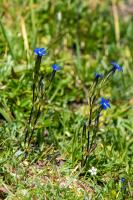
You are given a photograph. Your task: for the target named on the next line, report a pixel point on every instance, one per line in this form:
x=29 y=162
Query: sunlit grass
x=83 y=40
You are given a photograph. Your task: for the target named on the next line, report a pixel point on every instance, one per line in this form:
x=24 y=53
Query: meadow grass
x=82 y=37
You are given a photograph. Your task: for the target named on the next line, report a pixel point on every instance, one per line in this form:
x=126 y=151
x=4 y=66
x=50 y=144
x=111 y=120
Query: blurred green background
x=82 y=37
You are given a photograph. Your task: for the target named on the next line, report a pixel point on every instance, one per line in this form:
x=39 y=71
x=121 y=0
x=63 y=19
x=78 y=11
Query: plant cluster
x=40 y=88
x=91 y=123
x=96 y=105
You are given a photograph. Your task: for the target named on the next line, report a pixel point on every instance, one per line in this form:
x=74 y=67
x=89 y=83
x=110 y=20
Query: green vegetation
x=82 y=37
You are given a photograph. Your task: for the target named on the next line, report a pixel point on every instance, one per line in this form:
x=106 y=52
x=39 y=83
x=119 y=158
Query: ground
x=82 y=37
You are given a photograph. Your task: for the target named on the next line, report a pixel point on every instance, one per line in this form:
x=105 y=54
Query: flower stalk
x=91 y=128
x=39 y=91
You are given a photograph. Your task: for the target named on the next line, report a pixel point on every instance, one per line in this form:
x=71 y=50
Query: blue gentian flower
x=97 y=76
x=116 y=66
x=56 y=67
x=40 y=51
x=122 y=179
x=104 y=104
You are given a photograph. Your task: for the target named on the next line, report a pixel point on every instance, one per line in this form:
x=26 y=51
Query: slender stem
x=92 y=98
x=92 y=101
x=88 y=140
x=83 y=135
x=51 y=78
x=37 y=116
x=35 y=78
x=91 y=104
x=96 y=127
x=107 y=76
x=36 y=73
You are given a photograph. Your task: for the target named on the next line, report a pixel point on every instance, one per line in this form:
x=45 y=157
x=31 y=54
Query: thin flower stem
x=52 y=76
x=91 y=104
x=36 y=73
x=94 y=113
x=82 y=142
x=36 y=119
x=88 y=140
x=107 y=76
x=92 y=101
x=96 y=128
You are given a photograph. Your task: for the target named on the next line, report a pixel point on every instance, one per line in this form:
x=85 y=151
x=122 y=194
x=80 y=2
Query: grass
x=82 y=37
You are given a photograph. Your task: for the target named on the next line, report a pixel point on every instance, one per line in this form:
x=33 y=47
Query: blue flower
x=122 y=179
x=40 y=51
x=104 y=104
x=56 y=67
x=116 y=66
x=97 y=76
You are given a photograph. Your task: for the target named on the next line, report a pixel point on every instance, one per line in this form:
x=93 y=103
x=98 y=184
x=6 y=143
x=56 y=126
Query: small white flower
x=93 y=171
